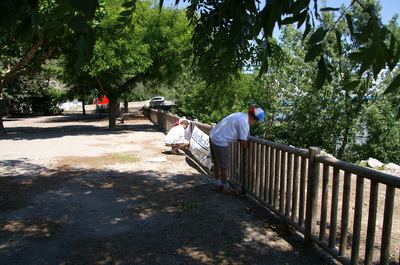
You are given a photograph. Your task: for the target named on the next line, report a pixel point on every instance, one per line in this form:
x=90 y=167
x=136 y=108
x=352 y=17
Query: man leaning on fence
x=235 y=127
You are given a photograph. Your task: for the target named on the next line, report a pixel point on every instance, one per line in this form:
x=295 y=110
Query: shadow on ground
x=81 y=216
x=32 y=133
x=71 y=215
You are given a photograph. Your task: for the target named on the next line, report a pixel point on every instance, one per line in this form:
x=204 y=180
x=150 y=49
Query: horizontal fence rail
x=348 y=210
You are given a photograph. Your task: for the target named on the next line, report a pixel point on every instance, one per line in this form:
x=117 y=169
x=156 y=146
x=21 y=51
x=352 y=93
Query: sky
x=389 y=7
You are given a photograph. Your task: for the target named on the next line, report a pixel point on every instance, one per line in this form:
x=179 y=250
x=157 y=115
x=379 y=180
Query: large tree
x=34 y=30
x=135 y=43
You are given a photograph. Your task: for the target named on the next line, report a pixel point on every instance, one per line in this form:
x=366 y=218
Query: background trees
x=150 y=46
x=34 y=31
x=342 y=116
x=321 y=85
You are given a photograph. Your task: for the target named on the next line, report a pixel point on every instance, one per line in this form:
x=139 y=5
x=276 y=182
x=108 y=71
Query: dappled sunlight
x=61 y=193
x=4 y=246
x=117 y=220
x=146 y=213
x=107 y=185
x=35 y=228
x=261 y=239
x=197 y=254
x=26 y=182
x=207 y=257
x=171 y=209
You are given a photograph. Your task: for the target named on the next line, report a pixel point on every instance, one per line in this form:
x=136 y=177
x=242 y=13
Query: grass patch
x=123 y=157
x=98 y=161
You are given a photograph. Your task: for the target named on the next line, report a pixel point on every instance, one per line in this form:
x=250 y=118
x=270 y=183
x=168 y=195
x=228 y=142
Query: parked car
x=156 y=102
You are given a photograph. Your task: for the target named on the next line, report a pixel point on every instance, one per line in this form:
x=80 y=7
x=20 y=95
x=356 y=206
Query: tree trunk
x=113 y=108
x=2 y=129
x=83 y=107
x=344 y=143
x=126 y=106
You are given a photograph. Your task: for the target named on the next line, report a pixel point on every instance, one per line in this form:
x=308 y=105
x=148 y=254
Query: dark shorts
x=219 y=155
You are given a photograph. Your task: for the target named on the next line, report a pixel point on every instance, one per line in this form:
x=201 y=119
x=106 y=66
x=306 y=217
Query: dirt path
x=71 y=192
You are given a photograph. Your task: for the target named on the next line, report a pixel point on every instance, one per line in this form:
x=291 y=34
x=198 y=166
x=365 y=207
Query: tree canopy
x=232 y=33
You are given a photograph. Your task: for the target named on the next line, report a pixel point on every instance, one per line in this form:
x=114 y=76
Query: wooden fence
x=348 y=210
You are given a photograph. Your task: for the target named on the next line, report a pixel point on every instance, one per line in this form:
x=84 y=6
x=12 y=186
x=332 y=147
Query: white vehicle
x=156 y=101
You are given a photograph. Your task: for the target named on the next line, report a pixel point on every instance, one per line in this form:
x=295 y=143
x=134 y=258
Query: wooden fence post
x=312 y=194
x=243 y=168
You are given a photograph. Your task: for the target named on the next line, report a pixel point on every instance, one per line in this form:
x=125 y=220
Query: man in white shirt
x=235 y=127
x=175 y=138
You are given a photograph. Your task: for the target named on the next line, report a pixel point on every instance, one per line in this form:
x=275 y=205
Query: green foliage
x=33 y=95
x=297 y=111
x=383 y=140
x=150 y=45
x=196 y=99
x=230 y=35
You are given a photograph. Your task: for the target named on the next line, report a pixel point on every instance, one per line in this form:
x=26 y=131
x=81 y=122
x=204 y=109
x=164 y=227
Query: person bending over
x=232 y=128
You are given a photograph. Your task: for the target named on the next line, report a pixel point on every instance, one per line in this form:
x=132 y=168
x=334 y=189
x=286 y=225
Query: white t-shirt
x=230 y=129
x=176 y=135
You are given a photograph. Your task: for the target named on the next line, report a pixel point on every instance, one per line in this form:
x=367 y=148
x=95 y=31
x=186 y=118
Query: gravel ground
x=71 y=192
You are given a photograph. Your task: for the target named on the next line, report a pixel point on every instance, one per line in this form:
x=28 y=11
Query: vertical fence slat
x=387 y=225
x=282 y=182
x=303 y=172
x=250 y=169
x=355 y=247
x=235 y=162
x=372 y=213
x=324 y=203
x=244 y=154
x=262 y=173
x=271 y=177
x=231 y=162
x=289 y=184
x=276 y=177
x=254 y=162
x=344 y=225
x=334 y=208
x=312 y=194
x=238 y=162
x=266 y=173
x=258 y=171
x=253 y=169
x=295 y=187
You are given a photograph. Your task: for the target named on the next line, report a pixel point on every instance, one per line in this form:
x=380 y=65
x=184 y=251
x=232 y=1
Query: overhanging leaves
x=325 y=9
x=317 y=36
x=313 y=52
x=394 y=85
x=322 y=73
x=350 y=23
x=339 y=42
x=352 y=85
